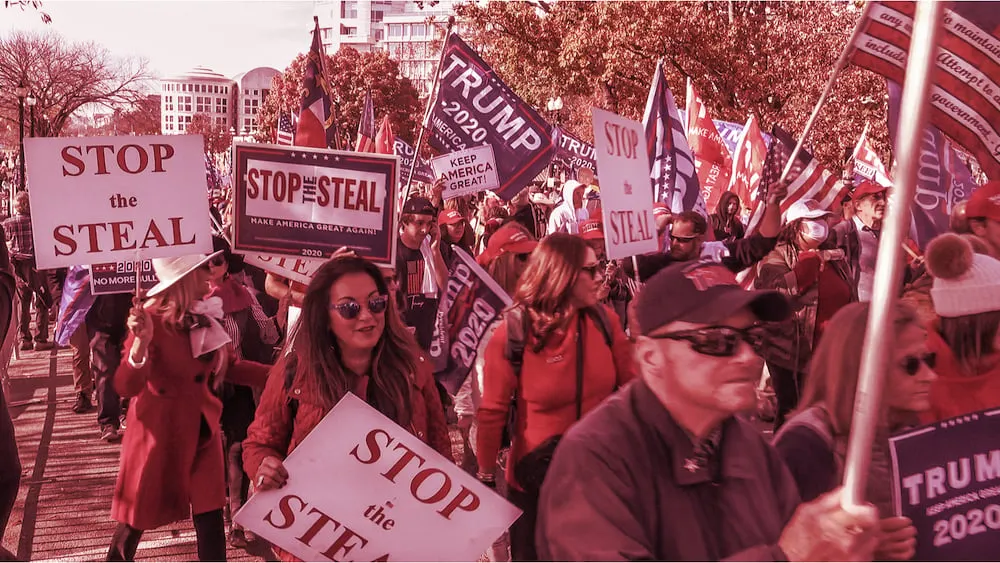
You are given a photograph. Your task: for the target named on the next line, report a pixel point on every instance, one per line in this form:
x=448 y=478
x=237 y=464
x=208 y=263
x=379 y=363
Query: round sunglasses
x=351 y=309
x=718 y=341
x=911 y=364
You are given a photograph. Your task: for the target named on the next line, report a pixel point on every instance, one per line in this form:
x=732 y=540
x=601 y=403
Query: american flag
x=808 y=179
x=286 y=130
x=965 y=78
x=366 y=127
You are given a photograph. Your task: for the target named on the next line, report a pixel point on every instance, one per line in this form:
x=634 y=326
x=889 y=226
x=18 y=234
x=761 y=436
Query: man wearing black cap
x=663 y=470
x=420 y=268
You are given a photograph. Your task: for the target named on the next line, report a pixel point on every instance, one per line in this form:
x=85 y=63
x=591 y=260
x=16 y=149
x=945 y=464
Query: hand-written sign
x=99 y=199
x=298 y=201
x=947 y=480
x=361 y=488
x=625 y=194
x=106 y=279
x=467 y=172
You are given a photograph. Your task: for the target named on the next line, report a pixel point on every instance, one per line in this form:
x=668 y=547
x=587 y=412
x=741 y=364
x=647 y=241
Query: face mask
x=815 y=230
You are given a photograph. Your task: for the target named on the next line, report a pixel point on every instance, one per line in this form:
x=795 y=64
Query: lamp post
x=556 y=105
x=21 y=92
x=31 y=101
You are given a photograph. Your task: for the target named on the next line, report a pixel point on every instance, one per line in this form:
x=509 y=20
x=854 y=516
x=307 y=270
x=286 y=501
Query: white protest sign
x=469 y=171
x=360 y=488
x=100 y=199
x=626 y=196
x=289 y=267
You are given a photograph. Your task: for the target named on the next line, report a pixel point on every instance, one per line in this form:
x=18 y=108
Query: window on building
x=246 y=122
x=395 y=30
x=220 y=105
x=183 y=103
x=418 y=30
x=264 y=93
x=349 y=9
x=379 y=35
x=203 y=104
x=377 y=15
x=180 y=126
x=220 y=121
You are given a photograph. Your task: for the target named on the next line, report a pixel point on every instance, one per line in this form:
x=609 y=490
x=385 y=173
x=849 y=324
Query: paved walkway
x=63 y=508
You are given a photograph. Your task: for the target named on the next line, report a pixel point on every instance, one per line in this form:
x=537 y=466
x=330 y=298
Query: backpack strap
x=600 y=316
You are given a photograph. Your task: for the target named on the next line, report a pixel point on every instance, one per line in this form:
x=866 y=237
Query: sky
x=228 y=37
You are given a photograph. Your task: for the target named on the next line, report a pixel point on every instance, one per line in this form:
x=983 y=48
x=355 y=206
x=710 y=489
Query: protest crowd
x=608 y=376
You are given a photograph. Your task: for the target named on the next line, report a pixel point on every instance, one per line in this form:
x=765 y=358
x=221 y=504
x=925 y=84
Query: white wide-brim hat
x=171 y=270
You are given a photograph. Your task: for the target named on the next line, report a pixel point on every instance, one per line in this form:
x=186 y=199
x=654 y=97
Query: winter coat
x=274 y=433
x=790 y=343
x=171 y=461
x=565 y=218
x=725 y=226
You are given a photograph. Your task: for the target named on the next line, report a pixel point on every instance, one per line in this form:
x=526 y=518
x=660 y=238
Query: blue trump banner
x=574 y=152
x=947 y=481
x=474 y=107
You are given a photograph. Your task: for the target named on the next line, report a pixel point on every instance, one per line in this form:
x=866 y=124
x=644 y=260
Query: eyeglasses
x=218 y=261
x=675 y=238
x=351 y=309
x=592 y=269
x=911 y=364
x=718 y=341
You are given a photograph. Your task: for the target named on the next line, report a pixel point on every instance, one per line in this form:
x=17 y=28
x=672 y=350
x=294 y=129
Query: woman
x=172 y=464
x=966 y=338
x=253 y=335
x=814 y=442
x=805 y=266
x=350 y=339
x=573 y=357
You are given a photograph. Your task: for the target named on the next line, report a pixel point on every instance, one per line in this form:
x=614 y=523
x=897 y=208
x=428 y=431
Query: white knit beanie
x=965 y=283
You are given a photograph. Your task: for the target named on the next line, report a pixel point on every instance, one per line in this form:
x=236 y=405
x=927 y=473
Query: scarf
x=204 y=328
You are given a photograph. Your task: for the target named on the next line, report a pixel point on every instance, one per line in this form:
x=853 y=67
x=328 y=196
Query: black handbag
x=530 y=470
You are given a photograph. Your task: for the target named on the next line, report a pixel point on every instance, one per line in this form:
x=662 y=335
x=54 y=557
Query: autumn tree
x=351 y=75
x=769 y=59
x=63 y=76
x=217 y=137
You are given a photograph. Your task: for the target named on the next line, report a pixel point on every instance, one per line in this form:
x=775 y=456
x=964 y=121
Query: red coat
x=955 y=392
x=171 y=461
x=274 y=433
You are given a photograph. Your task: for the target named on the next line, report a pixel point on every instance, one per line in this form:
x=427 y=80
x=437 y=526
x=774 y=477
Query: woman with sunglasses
x=966 y=337
x=806 y=266
x=813 y=442
x=566 y=369
x=350 y=340
x=172 y=464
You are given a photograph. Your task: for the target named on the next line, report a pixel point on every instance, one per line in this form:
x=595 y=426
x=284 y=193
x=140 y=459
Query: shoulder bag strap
x=579 y=365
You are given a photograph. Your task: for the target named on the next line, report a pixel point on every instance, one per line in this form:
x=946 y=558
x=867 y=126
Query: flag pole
x=431 y=100
x=879 y=338
x=841 y=64
x=329 y=86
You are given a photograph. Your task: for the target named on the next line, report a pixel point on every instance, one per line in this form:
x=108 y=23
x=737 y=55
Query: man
x=858 y=236
x=31 y=284
x=665 y=471
x=983 y=215
x=420 y=268
x=105 y=325
x=567 y=216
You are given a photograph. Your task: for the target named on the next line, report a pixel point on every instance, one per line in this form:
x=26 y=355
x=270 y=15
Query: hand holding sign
x=271 y=475
x=899 y=539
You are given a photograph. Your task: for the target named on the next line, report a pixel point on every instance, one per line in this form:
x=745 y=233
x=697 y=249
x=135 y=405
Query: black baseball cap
x=702 y=292
x=419 y=206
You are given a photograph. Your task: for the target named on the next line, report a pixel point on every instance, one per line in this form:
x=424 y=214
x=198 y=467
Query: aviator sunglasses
x=351 y=309
x=718 y=341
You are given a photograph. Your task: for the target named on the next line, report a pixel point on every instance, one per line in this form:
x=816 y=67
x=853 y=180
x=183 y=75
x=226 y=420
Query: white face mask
x=815 y=230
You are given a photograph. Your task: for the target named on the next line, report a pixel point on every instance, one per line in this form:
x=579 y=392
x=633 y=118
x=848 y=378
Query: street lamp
x=555 y=105
x=31 y=101
x=21 y=92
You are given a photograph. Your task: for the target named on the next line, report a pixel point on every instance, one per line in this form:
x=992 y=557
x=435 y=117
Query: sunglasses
x=217 y=261
x=911 y=364
x=675 y=238
x=351 y=309
x=592 y=269
x=718 y=341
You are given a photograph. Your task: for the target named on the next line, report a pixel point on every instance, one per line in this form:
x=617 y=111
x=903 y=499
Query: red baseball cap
x=660 y=208
x=985 y=202
x=509 y=238
x=592 y=229
x=867 y=187
x=449 y=217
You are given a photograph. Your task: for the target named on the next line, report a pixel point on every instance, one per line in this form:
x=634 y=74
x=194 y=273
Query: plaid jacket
x=18 y=230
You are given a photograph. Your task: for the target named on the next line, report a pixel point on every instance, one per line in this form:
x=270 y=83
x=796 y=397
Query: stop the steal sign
x=467 y=172
x=360 y=488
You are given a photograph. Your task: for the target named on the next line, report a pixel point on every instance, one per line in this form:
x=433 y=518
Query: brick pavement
x=63 y=508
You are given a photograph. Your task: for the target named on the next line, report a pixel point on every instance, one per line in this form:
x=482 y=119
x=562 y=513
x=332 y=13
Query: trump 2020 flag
x=474 y=108
x=675 y=178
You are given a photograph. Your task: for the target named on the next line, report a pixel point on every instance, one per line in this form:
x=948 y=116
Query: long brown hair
x=836 y=364
x=971 y=338
x=546 y=286
x=318 y=355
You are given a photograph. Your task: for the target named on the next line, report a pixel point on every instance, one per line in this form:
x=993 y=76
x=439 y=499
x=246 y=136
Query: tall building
x=408 y=30
x=228 y=102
